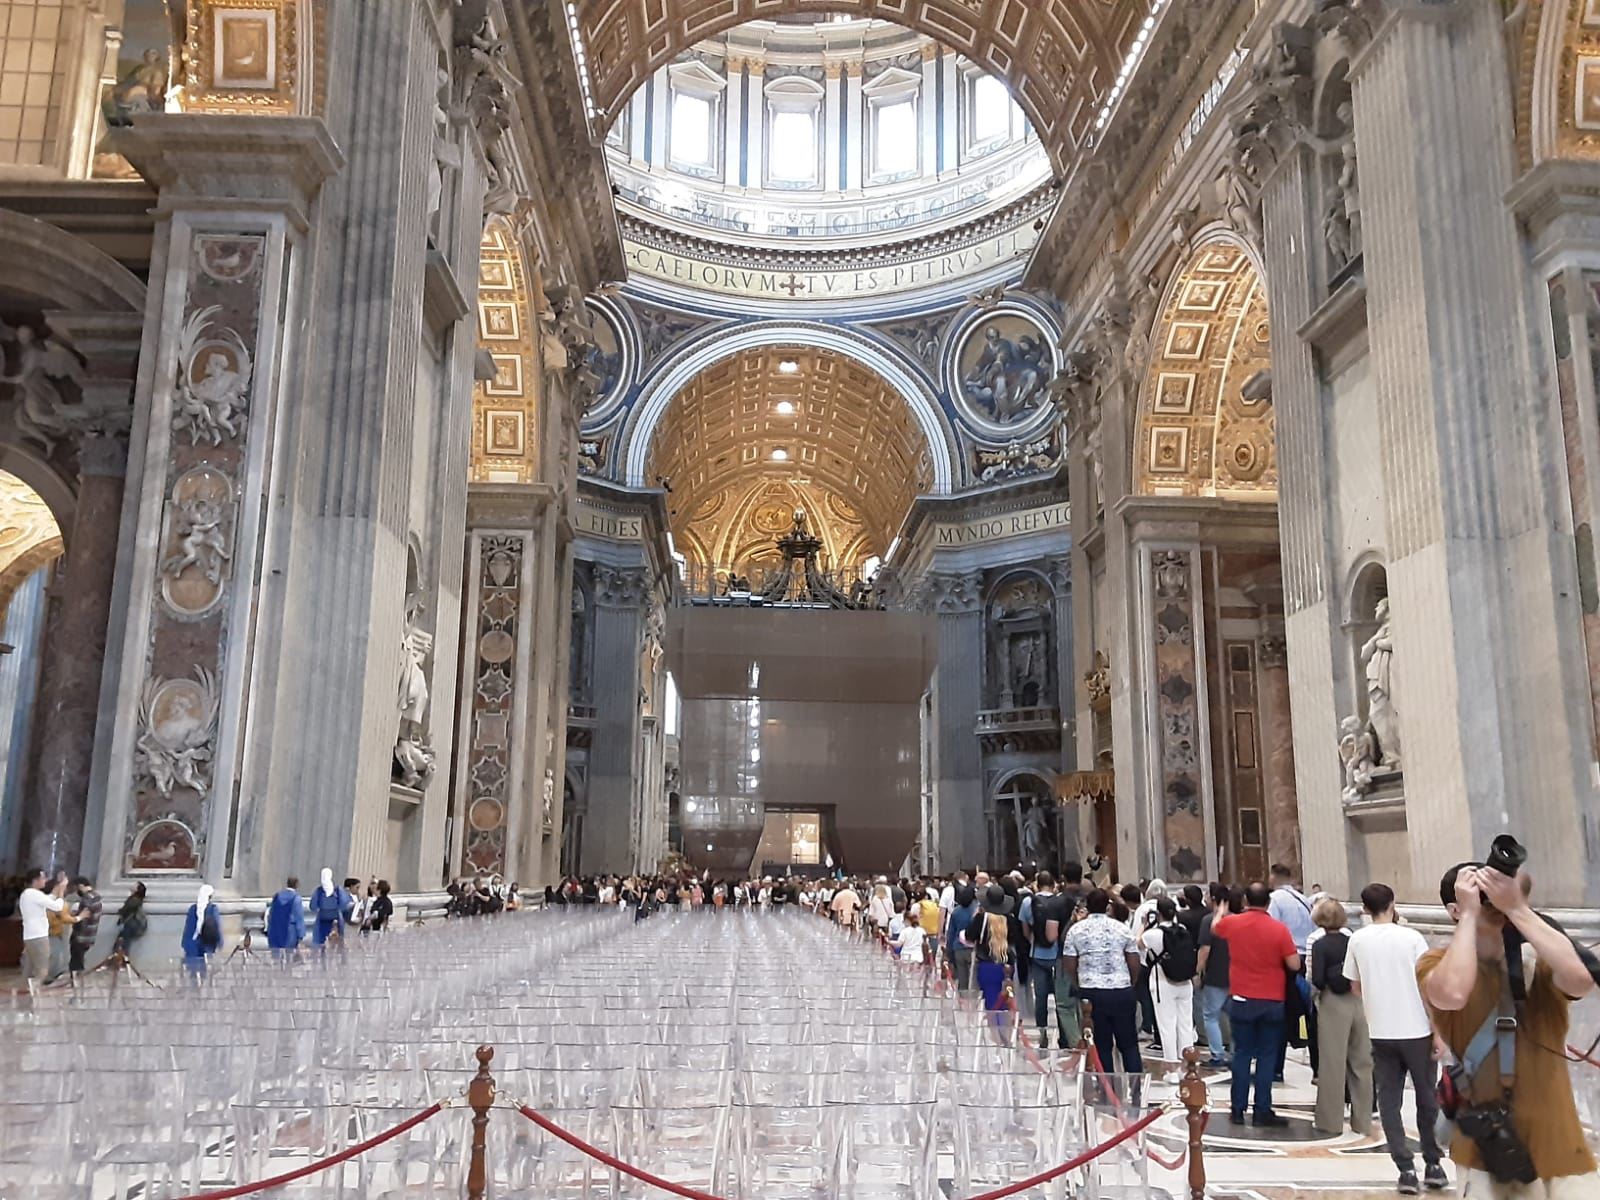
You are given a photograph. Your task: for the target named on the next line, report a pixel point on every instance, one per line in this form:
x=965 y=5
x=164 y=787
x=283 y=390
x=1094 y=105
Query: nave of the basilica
x=454 y=441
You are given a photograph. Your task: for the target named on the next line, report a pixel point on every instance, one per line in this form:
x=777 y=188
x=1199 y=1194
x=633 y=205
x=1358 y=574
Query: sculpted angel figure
x=42 y=365
x=200 y=539
x=1356 y=752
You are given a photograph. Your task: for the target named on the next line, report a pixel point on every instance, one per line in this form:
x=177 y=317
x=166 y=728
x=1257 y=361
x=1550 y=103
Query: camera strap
x=1498 y=1034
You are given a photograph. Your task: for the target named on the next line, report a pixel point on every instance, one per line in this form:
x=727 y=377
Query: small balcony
x=1019 y=729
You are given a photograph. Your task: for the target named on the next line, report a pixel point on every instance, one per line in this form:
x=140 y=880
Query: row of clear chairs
x=777 y=1055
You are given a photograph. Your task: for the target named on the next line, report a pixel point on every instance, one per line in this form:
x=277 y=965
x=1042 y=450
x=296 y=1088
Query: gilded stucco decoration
x=753 y=438
x=29 y=536
x=1205 y=425
x=245 y=56
x=1060 y=56
x=504 y=438
x=1572 y=74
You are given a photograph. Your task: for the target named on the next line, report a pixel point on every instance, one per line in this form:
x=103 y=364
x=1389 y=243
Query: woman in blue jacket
x=286 y=920
x=202 y=933
x=329 y=904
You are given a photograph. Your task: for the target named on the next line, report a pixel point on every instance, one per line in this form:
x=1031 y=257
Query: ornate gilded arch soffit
x=1061 y=57
x=1205 y=421
x=764 y=432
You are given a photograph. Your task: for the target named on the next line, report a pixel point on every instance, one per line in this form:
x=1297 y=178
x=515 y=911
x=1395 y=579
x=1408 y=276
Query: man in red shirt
x=1260 y=951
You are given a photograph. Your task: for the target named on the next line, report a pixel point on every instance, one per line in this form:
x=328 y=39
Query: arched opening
x=30 y=547
x=1204 y=425
x=769 y=433
x=1023 y=822
x=1061 y=58
x=505 y=403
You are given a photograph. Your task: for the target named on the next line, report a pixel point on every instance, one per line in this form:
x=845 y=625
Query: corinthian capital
x=954 y=591
x=621 y=587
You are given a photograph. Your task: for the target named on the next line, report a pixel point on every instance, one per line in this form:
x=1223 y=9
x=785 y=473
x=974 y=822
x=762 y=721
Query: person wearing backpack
x=1173 y=955
x=329 y=906
x=1345 y=1049
x=286 y=920
x=202 y=934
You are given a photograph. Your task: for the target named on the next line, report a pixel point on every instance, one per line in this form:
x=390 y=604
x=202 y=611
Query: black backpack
x=1179 y=959
x=1335 y=980
x=1048 y=908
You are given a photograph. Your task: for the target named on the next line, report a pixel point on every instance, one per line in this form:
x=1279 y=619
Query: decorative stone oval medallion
x=611 y=359
x=999 y=371
x=197 y=541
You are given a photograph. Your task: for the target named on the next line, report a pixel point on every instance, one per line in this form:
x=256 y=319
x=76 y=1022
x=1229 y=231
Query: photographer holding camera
x=1498 y=996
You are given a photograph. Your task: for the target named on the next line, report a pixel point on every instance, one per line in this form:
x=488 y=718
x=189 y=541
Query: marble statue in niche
x=1021 y=638
x=446 y=157
x=1377 y=657
x=43 y=414
x=413 y=756
x=213 y=381
x=1036 y=837
x=177 y=733
x=1008 y=377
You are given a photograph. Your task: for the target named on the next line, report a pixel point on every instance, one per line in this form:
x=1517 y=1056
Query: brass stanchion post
x=480 y=1094
x=1192 y=1091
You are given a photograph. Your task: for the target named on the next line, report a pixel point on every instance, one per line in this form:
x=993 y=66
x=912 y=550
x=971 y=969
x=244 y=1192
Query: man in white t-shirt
x=1381 y=965
x=33 y=906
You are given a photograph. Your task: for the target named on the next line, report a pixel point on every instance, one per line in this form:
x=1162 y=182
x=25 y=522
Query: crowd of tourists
x=1246 y=972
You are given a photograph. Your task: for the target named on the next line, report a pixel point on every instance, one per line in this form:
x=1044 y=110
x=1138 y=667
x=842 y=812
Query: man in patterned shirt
x=1102 y=957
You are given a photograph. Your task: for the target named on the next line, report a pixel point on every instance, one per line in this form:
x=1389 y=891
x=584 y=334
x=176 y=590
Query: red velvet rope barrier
x=689 y=1193
x=1167 y=1164
x=1580 y=1056
x=245 y=1189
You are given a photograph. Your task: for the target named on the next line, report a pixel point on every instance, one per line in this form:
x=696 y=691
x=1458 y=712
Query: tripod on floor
x=119 y=964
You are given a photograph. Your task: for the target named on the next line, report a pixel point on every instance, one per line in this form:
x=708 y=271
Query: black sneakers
x=1434 y=1178
x=1408 y=1185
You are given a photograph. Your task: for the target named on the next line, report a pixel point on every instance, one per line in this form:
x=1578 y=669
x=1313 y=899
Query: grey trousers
x=1344 y=1063
x=1393 y=1059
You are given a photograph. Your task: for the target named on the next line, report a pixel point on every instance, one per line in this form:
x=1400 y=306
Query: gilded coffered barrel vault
x=1205 y=408
x=505 y=412
x=768 y=431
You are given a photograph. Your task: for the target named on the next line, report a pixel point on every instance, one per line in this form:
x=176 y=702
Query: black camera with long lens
x=1505 y=1154
x=1506 y=854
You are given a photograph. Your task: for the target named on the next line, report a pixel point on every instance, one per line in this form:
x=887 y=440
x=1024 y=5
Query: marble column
x=1180 y=782
x=1292 y=241
x=755 y=125
x=1277 y=750
x=1472 y=536
x=69 y=692
x=493 y=750
x=621 y=600
x=957 y=601
x=733 y=126
x=235 y=199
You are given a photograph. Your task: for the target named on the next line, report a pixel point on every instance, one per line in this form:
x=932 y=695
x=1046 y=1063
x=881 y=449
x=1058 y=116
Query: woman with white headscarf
x=202 y=933
x=329 y=904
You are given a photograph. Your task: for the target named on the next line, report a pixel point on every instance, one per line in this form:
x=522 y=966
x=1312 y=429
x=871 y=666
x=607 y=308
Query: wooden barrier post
x=480 y=1094
x=1192 y=1091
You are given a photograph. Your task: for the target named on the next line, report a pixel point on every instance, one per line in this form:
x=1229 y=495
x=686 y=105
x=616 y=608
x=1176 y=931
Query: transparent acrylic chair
x=887 y=1152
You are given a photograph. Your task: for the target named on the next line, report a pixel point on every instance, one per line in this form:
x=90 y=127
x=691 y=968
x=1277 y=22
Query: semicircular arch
x=1058 y=57
x=61 y=271
x=1204 y=422
x=720 y=345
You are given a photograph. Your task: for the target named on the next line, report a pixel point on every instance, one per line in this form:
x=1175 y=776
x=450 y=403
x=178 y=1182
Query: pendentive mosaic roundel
x=1001 y=369
x=611 y=357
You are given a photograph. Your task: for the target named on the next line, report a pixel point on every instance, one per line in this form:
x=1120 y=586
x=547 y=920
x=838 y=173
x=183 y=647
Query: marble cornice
x=578 y=183
x=507 y=505
x=201 y=160
x=1200 y=518
x=1558 y=205
x=641 y=228
x=1340 y=320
